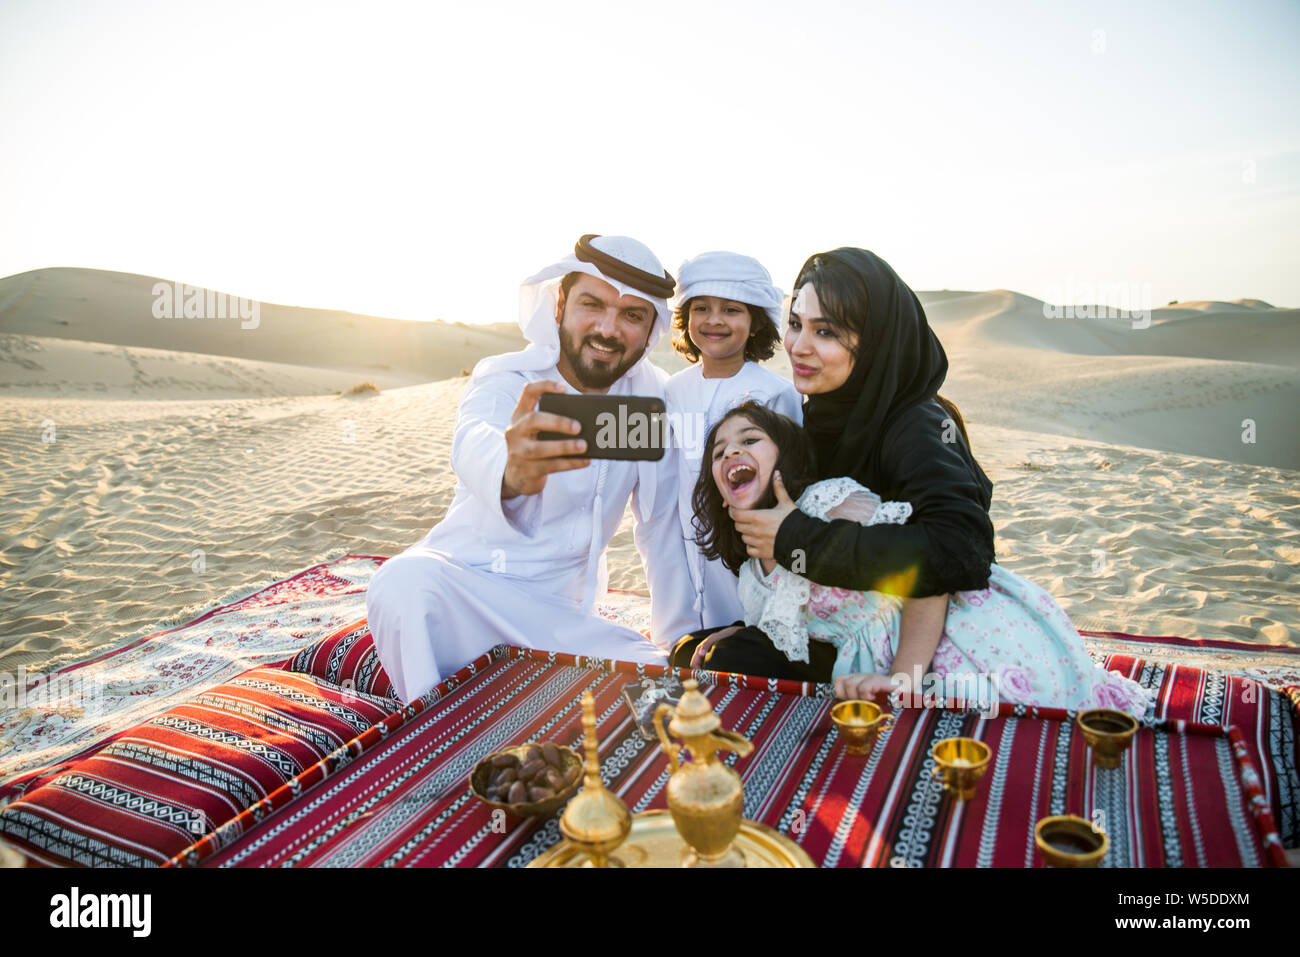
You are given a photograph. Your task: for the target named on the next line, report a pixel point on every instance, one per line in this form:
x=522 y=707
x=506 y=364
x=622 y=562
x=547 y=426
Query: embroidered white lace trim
x=778 y=604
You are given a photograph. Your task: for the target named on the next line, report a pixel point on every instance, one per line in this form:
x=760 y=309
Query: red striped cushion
x=347 y=658
x=158 y=787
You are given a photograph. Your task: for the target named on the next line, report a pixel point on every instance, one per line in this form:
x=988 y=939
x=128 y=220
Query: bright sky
x=420 y=160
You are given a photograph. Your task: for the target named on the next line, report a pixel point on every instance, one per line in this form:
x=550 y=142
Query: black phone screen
x=614 y=426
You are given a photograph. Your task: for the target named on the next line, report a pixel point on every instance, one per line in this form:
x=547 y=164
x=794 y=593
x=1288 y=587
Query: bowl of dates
x=530 y=780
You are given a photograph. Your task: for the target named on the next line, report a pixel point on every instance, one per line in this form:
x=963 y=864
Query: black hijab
x=899 y=364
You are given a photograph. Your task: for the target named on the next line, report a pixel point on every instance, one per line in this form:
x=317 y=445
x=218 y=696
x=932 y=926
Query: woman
x=861 y=350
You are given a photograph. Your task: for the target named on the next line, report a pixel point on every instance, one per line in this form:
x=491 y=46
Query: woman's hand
x=702 y=649
x=758 y=526
x=864 y=687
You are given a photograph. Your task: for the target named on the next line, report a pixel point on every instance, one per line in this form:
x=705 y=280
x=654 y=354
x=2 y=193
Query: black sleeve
x=946 y=546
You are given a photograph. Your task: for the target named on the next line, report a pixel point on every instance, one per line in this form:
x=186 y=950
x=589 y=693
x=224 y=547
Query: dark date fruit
x=537 y=773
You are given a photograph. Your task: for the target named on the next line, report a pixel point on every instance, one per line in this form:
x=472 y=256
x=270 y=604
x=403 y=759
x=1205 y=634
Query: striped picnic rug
x=1187 y=794
x=56 y=716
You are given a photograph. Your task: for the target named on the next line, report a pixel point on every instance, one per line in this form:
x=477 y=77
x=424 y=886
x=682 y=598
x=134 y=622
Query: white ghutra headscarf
x=730 y=276
x=539 y=295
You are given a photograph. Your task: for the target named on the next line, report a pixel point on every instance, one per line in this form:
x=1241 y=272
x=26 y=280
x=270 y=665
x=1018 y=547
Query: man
x=519 y=556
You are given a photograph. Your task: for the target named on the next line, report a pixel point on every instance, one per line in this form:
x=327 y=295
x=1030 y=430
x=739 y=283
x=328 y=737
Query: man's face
x=602 y=335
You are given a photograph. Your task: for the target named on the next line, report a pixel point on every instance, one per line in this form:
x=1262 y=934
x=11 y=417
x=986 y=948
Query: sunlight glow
x=420 y=160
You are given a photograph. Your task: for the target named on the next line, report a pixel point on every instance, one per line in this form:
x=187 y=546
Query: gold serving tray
x=654 y=842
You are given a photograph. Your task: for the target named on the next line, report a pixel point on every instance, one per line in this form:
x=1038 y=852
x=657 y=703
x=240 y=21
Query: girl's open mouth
x=740 y=476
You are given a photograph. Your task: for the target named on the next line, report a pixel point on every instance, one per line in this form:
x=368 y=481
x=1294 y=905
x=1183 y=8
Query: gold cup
x=1065 y=840
x=960 y=762
x=859 y=724
x=1108 y=733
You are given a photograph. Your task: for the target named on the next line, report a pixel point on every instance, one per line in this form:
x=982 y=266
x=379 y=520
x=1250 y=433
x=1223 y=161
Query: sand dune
x=40 y=367
x=1246 y=331
x=93 y=305
x=151 y=467
x=1194 y=382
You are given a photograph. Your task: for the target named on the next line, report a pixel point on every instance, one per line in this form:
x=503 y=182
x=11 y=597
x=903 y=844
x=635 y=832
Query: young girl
x=1009 y=642
x=727 y=321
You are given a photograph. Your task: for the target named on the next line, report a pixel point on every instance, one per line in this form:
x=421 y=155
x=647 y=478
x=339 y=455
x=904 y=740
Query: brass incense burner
x=596 y=820
x=704 y=796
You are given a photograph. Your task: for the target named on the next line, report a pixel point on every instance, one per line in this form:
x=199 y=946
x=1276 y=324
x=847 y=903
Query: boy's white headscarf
x=539 y=296
x=731 y=276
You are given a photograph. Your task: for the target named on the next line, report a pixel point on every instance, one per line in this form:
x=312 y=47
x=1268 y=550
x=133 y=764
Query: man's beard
x=591 y=375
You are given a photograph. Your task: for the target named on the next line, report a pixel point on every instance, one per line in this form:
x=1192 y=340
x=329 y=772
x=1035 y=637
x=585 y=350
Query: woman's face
x=743 y=459
x=819 y=359
x=718 y=327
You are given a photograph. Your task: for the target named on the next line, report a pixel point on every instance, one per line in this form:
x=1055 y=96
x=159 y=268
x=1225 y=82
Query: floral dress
x=1010 y=641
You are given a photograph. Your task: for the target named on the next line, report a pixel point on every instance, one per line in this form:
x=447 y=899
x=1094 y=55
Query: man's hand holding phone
x=530 y=459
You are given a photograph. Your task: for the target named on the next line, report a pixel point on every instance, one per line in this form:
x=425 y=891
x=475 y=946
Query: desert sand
x=155 y=466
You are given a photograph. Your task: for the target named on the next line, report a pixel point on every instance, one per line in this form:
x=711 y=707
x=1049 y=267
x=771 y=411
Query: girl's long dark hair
x=716 y=534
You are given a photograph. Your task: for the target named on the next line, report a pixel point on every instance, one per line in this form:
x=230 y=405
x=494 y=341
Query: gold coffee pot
x=705 y=796
x=595 y=820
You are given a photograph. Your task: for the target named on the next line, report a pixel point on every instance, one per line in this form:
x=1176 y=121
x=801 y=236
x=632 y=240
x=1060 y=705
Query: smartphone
x=615 y=426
